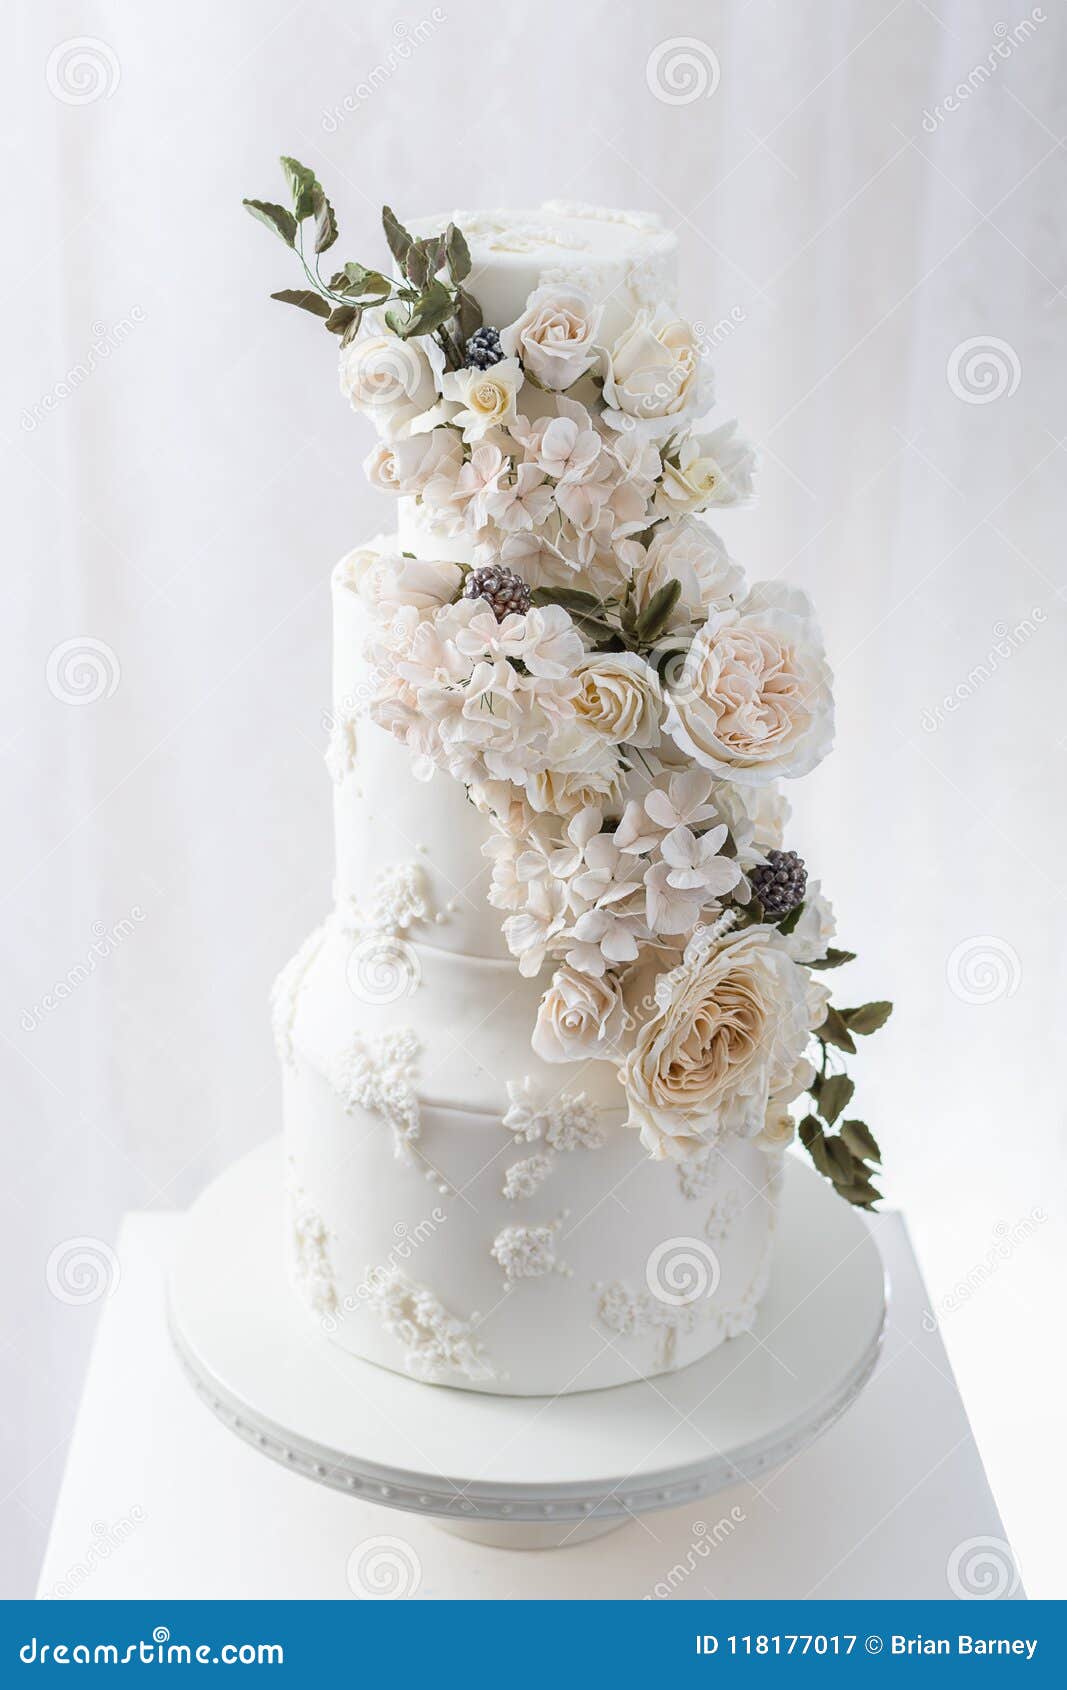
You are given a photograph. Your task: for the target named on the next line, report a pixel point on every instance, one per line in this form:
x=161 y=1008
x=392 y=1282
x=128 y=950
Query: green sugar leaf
x=868 y=1017
x=835 y=1093
x=305 y=299
x=861 y=1141
x=325 y=221
x=458 y=254
x=835 y=1031
x=274 y=217
x=302 y=185
x=833 y=959
x=397 y=238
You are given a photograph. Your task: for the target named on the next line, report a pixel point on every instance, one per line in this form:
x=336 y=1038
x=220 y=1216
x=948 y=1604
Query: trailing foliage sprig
x=428 y=298
x=848 y=1156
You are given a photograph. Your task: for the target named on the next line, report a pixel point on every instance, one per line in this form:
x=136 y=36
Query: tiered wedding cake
x=539 y=1058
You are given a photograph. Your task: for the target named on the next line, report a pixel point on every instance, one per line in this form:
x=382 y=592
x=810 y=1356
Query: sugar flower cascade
x=597 y=673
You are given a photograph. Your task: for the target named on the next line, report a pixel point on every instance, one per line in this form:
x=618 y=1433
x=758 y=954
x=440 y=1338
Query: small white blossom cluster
x=625 y=733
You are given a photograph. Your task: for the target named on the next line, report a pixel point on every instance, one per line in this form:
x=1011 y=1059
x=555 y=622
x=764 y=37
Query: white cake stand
x=521 y=1472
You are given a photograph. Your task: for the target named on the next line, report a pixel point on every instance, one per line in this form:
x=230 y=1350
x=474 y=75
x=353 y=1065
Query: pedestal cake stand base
x=521 y=1472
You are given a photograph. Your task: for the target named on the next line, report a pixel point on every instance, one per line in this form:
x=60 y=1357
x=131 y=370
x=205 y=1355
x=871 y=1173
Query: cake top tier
x=623 y=259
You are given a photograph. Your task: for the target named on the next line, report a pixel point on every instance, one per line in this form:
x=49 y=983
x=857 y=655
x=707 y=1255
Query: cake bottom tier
x=534 y=1258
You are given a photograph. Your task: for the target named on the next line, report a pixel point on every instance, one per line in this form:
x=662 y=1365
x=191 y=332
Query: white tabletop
x=159 y=1500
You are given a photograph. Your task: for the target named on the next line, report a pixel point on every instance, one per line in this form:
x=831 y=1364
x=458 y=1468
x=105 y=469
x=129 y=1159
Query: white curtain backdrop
x=867 y=197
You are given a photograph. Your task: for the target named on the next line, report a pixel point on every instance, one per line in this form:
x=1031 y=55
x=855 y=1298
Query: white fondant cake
x=538 y=1059
x=460 y=1209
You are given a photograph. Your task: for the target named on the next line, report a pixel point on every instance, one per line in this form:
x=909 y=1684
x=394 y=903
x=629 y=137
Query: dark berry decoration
x=501 y=588
x=484 y=349
x=780 y=883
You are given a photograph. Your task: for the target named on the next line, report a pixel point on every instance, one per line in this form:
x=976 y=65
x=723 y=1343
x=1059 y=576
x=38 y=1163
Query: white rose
x=393 y=381
x=352 y=568
x=753 y=699
x=580 y=1017
x=586 y=774
x=691 y=553
x=654 y=371
x=388 y=584
x=554 y=336
x=486 y=398
x=407 y=466
x=778 y=1130
x=715 y=469
x=756 y=817
x=729 y=1027
x=620 y=696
